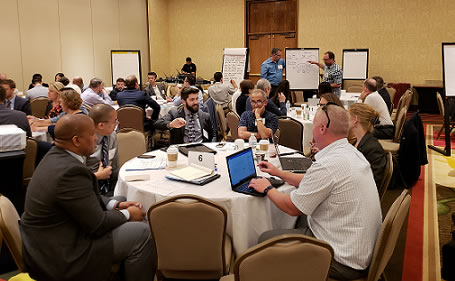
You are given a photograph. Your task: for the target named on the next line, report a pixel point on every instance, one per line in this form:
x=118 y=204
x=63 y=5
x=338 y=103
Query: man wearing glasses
x=258 y=121
x=332 y=72
x=337 y=198
x=104 y=162
x=272 y=69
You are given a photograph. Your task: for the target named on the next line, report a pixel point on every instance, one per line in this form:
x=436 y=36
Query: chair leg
x=440 y=131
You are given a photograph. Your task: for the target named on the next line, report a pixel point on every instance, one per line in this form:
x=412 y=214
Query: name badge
x=256 y=122
x=326 y=75
x=280 y=67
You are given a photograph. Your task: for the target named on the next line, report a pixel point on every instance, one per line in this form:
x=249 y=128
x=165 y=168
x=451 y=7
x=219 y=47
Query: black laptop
x=293 y=164
x=241 y=170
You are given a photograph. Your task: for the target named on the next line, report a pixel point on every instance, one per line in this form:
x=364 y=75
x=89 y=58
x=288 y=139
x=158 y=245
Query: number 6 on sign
x=204 y=159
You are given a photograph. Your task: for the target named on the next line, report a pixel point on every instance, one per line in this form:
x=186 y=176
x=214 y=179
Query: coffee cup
x=260 y=156
x=172 y=156
x=239 y=144
x=298 y=110
x=264 y=145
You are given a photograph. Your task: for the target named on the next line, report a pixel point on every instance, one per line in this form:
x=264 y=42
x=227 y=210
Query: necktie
x=104 y=184
x=191 y=127
x=8 y=104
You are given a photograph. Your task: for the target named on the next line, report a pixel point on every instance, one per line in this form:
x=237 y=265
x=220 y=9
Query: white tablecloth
x=307 y=126
x=248 y=216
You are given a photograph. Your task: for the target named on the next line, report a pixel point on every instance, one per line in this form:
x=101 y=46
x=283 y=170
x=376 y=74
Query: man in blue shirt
x=272 y=69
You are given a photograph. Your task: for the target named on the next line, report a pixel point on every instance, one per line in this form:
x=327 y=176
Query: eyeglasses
x=259 y=102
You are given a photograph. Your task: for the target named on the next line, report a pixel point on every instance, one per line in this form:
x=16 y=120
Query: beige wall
x=69 y=36
x=404 y=37
x=198 y=28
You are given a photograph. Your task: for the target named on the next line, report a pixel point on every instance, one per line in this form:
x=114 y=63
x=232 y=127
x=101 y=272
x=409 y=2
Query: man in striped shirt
x=337 y=199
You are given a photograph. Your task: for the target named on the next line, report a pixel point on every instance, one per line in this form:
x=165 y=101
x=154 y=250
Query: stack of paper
x=192 y=172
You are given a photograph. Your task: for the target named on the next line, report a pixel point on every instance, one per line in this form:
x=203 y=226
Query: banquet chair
x=222 y=121
x=392 y=92
x=387 y=176
x=388 y=236
x=195 y=245
x=30 y=150
x=233 y=124
x=441 y=112
x=282 y=256
x=405 y=101
x=298 y=98
x=393 y=145
x=131 y=143
x=291 y=133
x=355 y=89
x=131 y=116
x=39 y=106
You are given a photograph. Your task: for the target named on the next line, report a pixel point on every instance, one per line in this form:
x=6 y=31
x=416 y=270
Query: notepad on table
x=192 y=172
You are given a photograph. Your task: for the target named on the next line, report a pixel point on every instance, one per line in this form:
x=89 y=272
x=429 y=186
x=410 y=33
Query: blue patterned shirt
x=248 y=120
x=333 y=75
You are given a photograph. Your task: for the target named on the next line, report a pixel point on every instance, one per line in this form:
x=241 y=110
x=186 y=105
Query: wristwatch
x=260 y=119
x=267 y=189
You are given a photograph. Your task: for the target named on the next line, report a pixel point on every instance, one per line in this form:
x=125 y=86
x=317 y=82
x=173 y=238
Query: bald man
x=385 y=129
x=69 y=231
x=337 y=198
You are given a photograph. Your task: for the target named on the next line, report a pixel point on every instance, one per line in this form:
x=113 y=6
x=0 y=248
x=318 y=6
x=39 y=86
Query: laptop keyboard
x=244 y=187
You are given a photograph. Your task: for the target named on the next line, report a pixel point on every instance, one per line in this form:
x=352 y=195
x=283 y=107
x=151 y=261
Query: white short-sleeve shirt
x=339 y=196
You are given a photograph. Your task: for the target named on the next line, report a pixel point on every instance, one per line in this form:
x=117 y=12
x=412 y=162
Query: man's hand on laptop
x=259 y=184
x=268 y=168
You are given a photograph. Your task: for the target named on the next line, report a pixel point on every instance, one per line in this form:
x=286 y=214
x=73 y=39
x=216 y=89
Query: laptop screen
x=241 y=166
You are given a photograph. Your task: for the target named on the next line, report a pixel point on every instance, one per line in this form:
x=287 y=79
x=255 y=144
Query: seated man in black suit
x=154 y=89
x=12 y=101
x=133 y=96
x=187 y=123
x=69 y=231
x=14 y=117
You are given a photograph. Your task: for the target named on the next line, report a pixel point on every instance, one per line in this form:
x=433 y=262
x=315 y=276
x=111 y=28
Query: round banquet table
x=248 y=216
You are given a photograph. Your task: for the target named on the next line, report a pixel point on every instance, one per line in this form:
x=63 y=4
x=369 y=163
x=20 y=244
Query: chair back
x=392 y=92
x=131 y=116
x=189 y=233
x=387 y=175
x=287 y=257
x=222 y=121
x=233 y=124
x=277 y=135
x=299 y=98
x=440 y=104
x=39 y=106
x=388 y=235
x=291 y=133
x=9 y=227
x=355 y=89
x=172 y=91
x=131 y=143
x=400 y=124
x=31 y=148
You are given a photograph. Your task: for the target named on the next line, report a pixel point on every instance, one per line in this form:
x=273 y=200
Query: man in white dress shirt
x=38 y=90
x=385 y=129
x=337 y=198
x=222 y=93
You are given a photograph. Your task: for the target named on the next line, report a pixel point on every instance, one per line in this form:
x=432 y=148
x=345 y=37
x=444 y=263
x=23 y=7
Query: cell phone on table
x=220 y=145
x=146 y=156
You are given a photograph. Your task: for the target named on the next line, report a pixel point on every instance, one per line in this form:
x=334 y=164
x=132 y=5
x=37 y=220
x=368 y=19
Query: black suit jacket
x=138 y=98
x=178 y=133
x=374 y=153
x=149 y=90
x=23 y=105
x=8 y=116
x=385 y=96
x=65 y=228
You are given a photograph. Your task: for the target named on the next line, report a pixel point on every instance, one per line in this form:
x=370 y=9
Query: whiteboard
x=448 y=56
x=301 y=74
x=235 y=62
x=124 y=63
x=355 y=64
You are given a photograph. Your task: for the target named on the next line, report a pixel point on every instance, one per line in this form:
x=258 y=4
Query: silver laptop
x=293 y=164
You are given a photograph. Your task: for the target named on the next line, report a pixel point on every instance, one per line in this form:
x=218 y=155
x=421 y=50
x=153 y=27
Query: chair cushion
x=230 y=277
x=389 y=145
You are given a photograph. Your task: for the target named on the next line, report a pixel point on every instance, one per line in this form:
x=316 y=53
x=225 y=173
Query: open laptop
x=241 y=170
x=293 y=164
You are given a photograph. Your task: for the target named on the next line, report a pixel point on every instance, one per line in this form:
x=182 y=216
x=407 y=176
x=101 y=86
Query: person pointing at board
x=332 y=72
x=272 y=69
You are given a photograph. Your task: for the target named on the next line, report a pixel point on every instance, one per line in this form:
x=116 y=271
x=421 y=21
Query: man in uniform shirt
x=332 y=72
x=272 y=69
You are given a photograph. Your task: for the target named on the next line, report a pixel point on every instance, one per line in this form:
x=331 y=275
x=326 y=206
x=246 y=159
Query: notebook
x=184 y=149
x=241 y=170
